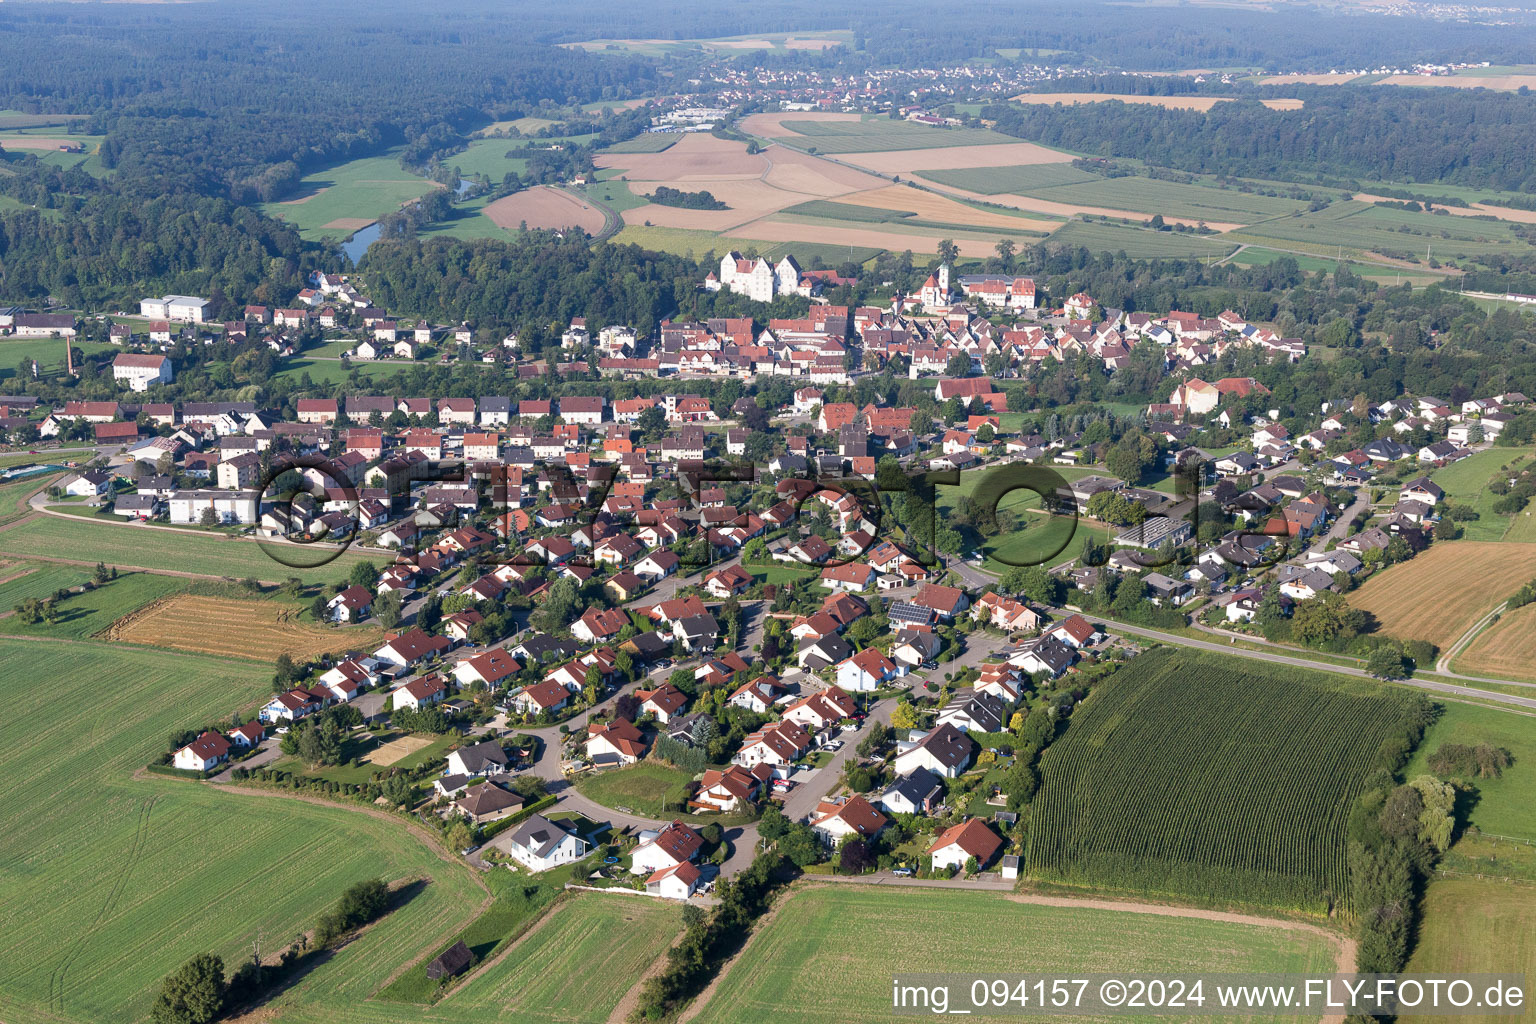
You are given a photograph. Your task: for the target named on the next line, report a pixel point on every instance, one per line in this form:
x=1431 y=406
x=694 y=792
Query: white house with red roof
x=1074 y=631
x=421 y=693
x=867 y=670
x=851 y=817
x=730 y=789
x=207 y=751
x=674 y=883
x=490 y=668
x=351 y=605
x=821 y=710
x=778 y=744
x=247 y=735
x=620 y=739
x=674 y=844
x=411 y=647
x=348 y=678
x=758 y=695
x=959 y=843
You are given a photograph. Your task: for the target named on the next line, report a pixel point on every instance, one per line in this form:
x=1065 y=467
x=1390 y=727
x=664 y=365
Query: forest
x=1469 y=137
x=92 y=244
x=240 y=100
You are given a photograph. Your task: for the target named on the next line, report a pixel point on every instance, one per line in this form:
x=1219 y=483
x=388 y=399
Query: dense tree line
x=97 y=244
x=241 y=99
x=536 y=276
x=1465 y=136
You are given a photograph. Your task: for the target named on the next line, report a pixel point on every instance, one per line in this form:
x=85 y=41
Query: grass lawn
x=325 y=371
x=1506 y=805
x=1047 y=541
x=1471 y=925
x=49 y=354
x=623 y=935
x=686 y=242
x=649 y=789
x=816 y=946
x=651 y=142
x=14 y=495
x=88 y=613
x=363 y=190
x=1063 y=183
x=101 y=896
x=1358 y=227
x=777 y=573
x=615 y=195
x=1467 y=483
x=182 y=551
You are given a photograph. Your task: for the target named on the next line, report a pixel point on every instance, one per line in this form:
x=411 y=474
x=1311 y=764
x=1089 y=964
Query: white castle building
x=758 y=279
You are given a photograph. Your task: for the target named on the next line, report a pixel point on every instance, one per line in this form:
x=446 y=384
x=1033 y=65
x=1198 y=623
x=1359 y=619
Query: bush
x=1457 y=760
x=192 y=994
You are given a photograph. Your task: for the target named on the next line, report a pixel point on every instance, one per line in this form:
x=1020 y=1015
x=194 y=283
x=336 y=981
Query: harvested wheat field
x=695 y=157
x=1474 y=210
x=545 y=207
x=37 y=142
x=785 y=178
x=902 y=161
x=346 y=224
x=930 y=206
x=1507 y=83
x=233 y=628
x=772 y=125
x=1441 y=593
x=1507 y=648
x=1170 y=102
x=397 y=750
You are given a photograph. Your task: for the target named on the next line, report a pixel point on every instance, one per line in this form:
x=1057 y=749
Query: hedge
x=495 y=828
x=181 y=773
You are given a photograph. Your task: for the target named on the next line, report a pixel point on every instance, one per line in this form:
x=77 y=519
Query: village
x=576 y=588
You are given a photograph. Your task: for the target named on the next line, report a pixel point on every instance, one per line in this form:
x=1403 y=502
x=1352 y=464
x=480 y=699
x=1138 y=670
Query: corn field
x=1187 y=775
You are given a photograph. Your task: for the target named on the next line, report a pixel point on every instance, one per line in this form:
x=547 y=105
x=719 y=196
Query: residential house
x=917 y=792
x=777 y=744
x=958 y=844
x=852 y=817
x=539 y=844
x=620 y=741
x=207 y=751
x=421 y=693
x=944 y=750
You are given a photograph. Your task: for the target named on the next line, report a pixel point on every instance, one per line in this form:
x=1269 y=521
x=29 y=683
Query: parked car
x=902 y=872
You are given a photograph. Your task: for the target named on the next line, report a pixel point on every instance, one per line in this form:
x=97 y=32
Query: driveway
x=265 y=755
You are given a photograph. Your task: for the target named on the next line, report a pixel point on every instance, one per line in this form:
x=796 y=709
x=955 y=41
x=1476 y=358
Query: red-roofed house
x=959 y=843
x=854 y=816
x=421 y=693
x=203 y=753
x=867 y=670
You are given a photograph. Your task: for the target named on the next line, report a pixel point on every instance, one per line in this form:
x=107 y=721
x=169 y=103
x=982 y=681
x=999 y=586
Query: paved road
x=1431 y=685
